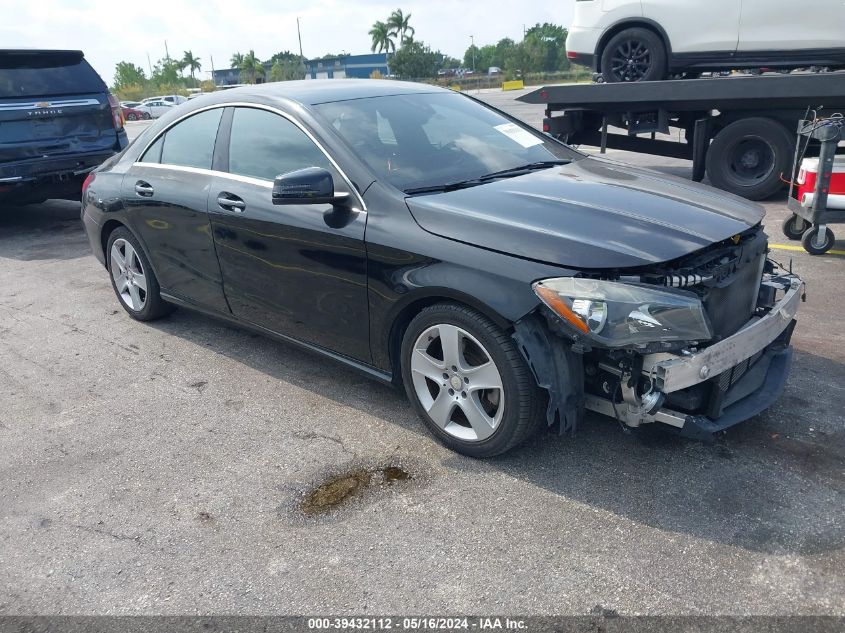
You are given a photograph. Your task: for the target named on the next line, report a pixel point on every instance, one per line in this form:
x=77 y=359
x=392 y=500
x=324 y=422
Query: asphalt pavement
x=159 y=468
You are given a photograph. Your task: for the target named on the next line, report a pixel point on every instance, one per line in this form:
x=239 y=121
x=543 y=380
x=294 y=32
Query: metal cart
x=809 y=223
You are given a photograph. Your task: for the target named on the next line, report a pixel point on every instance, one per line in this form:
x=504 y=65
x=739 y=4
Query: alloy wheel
x=631 y=60
x=457 y=382
x=128 y=273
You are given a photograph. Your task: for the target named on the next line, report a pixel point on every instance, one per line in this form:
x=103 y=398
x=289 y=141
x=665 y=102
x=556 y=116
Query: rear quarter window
x=24 y=74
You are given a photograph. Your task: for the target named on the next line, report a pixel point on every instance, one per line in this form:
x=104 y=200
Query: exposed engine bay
x=748 y=306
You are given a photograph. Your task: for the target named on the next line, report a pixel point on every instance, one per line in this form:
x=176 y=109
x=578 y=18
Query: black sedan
x=431 y=241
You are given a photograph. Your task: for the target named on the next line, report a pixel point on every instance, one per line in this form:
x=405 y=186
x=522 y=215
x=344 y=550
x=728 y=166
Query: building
x=358 y=66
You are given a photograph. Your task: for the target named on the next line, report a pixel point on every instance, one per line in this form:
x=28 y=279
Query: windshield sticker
x=517 y=134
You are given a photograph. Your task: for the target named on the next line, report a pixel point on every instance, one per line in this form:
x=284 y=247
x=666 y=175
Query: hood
x=592 y=213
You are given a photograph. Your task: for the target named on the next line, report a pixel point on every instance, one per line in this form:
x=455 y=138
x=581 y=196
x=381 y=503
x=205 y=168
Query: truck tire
x=749 y=156
x=635 y=54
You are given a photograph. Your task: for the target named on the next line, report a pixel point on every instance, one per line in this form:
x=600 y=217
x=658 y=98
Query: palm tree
x=192 y=63
x=382 y=40
x=398 y=23
x=236 y=60
x=251 y=66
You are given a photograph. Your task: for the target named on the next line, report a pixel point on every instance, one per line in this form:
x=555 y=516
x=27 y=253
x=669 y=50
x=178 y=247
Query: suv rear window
x=42 y=74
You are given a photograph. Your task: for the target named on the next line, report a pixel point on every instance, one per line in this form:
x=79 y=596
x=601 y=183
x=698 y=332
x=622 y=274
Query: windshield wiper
x=472 y=182
x=524 y=169
x=451 y=186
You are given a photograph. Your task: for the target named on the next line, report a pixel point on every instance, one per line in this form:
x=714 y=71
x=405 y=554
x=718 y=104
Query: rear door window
x=33 y=74
x=190 y=143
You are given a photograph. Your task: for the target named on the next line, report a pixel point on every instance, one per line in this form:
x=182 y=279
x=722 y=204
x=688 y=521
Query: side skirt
x=373 y=372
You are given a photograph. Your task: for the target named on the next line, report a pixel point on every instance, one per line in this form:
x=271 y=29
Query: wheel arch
x=411 y=306
x=109 y=227
x=106 y=230
x=628 y=23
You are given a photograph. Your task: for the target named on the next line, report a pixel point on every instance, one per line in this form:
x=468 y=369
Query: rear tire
x=749 y=156
x=443 y=381
x=635 y=54
x=132 y=277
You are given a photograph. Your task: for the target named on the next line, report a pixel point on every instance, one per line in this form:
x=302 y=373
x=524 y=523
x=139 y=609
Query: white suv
x=642 y=40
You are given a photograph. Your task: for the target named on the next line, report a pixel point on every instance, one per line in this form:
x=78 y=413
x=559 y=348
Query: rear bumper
x=42 y=178
x=581 y=43
x=33 y=169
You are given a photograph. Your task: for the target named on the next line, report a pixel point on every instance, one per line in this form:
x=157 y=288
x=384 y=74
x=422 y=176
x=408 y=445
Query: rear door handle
x=230 y=202
x=144 y=189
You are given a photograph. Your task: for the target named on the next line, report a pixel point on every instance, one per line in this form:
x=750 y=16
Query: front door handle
x=230 y=202
x=144 y=189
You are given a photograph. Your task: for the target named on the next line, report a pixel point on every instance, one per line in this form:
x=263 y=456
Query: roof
x=314 y=91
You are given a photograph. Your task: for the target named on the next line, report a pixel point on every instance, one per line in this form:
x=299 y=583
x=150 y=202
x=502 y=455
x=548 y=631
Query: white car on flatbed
x=649 y=40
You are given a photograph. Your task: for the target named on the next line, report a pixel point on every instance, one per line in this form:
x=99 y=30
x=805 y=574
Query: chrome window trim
x=247 y=179
x=209 y=172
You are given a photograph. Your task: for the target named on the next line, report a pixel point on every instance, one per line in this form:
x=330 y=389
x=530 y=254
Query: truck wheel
x=794 y=227
x=748 y=157
x=635 y=54
x=815 y=246
x=468 y=381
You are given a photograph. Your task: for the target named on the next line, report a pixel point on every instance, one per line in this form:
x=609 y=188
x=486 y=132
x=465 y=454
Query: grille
x=727 y=379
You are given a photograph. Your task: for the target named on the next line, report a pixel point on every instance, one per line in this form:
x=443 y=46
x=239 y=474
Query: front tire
x=132 y=277
x=635 y=54
x=468 y=382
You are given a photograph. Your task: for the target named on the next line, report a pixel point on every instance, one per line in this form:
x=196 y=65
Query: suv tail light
x=88 y=180
x=116 y=112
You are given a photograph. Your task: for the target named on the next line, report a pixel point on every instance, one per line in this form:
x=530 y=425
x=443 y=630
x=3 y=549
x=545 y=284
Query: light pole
x=472 y=48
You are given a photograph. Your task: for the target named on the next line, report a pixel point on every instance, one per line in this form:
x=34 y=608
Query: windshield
x=428 y=140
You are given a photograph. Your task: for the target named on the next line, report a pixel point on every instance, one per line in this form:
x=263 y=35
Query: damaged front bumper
x=747 y=372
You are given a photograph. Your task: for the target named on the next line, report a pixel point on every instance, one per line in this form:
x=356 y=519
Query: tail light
x=116 y=112
x=88 y=180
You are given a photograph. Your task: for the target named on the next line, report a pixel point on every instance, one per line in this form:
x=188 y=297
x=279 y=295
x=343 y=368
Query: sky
x=113 y=31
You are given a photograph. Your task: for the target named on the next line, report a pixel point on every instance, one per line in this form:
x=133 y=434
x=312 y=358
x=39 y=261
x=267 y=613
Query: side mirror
x=312 y=185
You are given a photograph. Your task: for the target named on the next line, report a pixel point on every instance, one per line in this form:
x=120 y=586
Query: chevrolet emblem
x=42 y=104
x=735 y=239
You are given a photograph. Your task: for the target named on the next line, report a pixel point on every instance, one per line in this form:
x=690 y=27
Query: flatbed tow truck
x=740 y=131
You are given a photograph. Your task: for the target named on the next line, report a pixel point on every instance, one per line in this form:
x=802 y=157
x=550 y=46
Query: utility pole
x=150 y=64
x=299 y=35
x=166 y=52
x=211 y=57
x=472 y=48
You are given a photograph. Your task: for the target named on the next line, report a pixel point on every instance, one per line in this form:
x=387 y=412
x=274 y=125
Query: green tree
x=165 y=72
x=545 y=48
x=251 y=67
x=399 y=25
x=382 y=39
x=283 y=56
x=191 y=63
x=287 y=70
x=236 y=60
x=127 y=74
x=515 y=61
x=414 y=60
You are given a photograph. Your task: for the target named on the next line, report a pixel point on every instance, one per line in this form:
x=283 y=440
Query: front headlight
x=615 y=314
